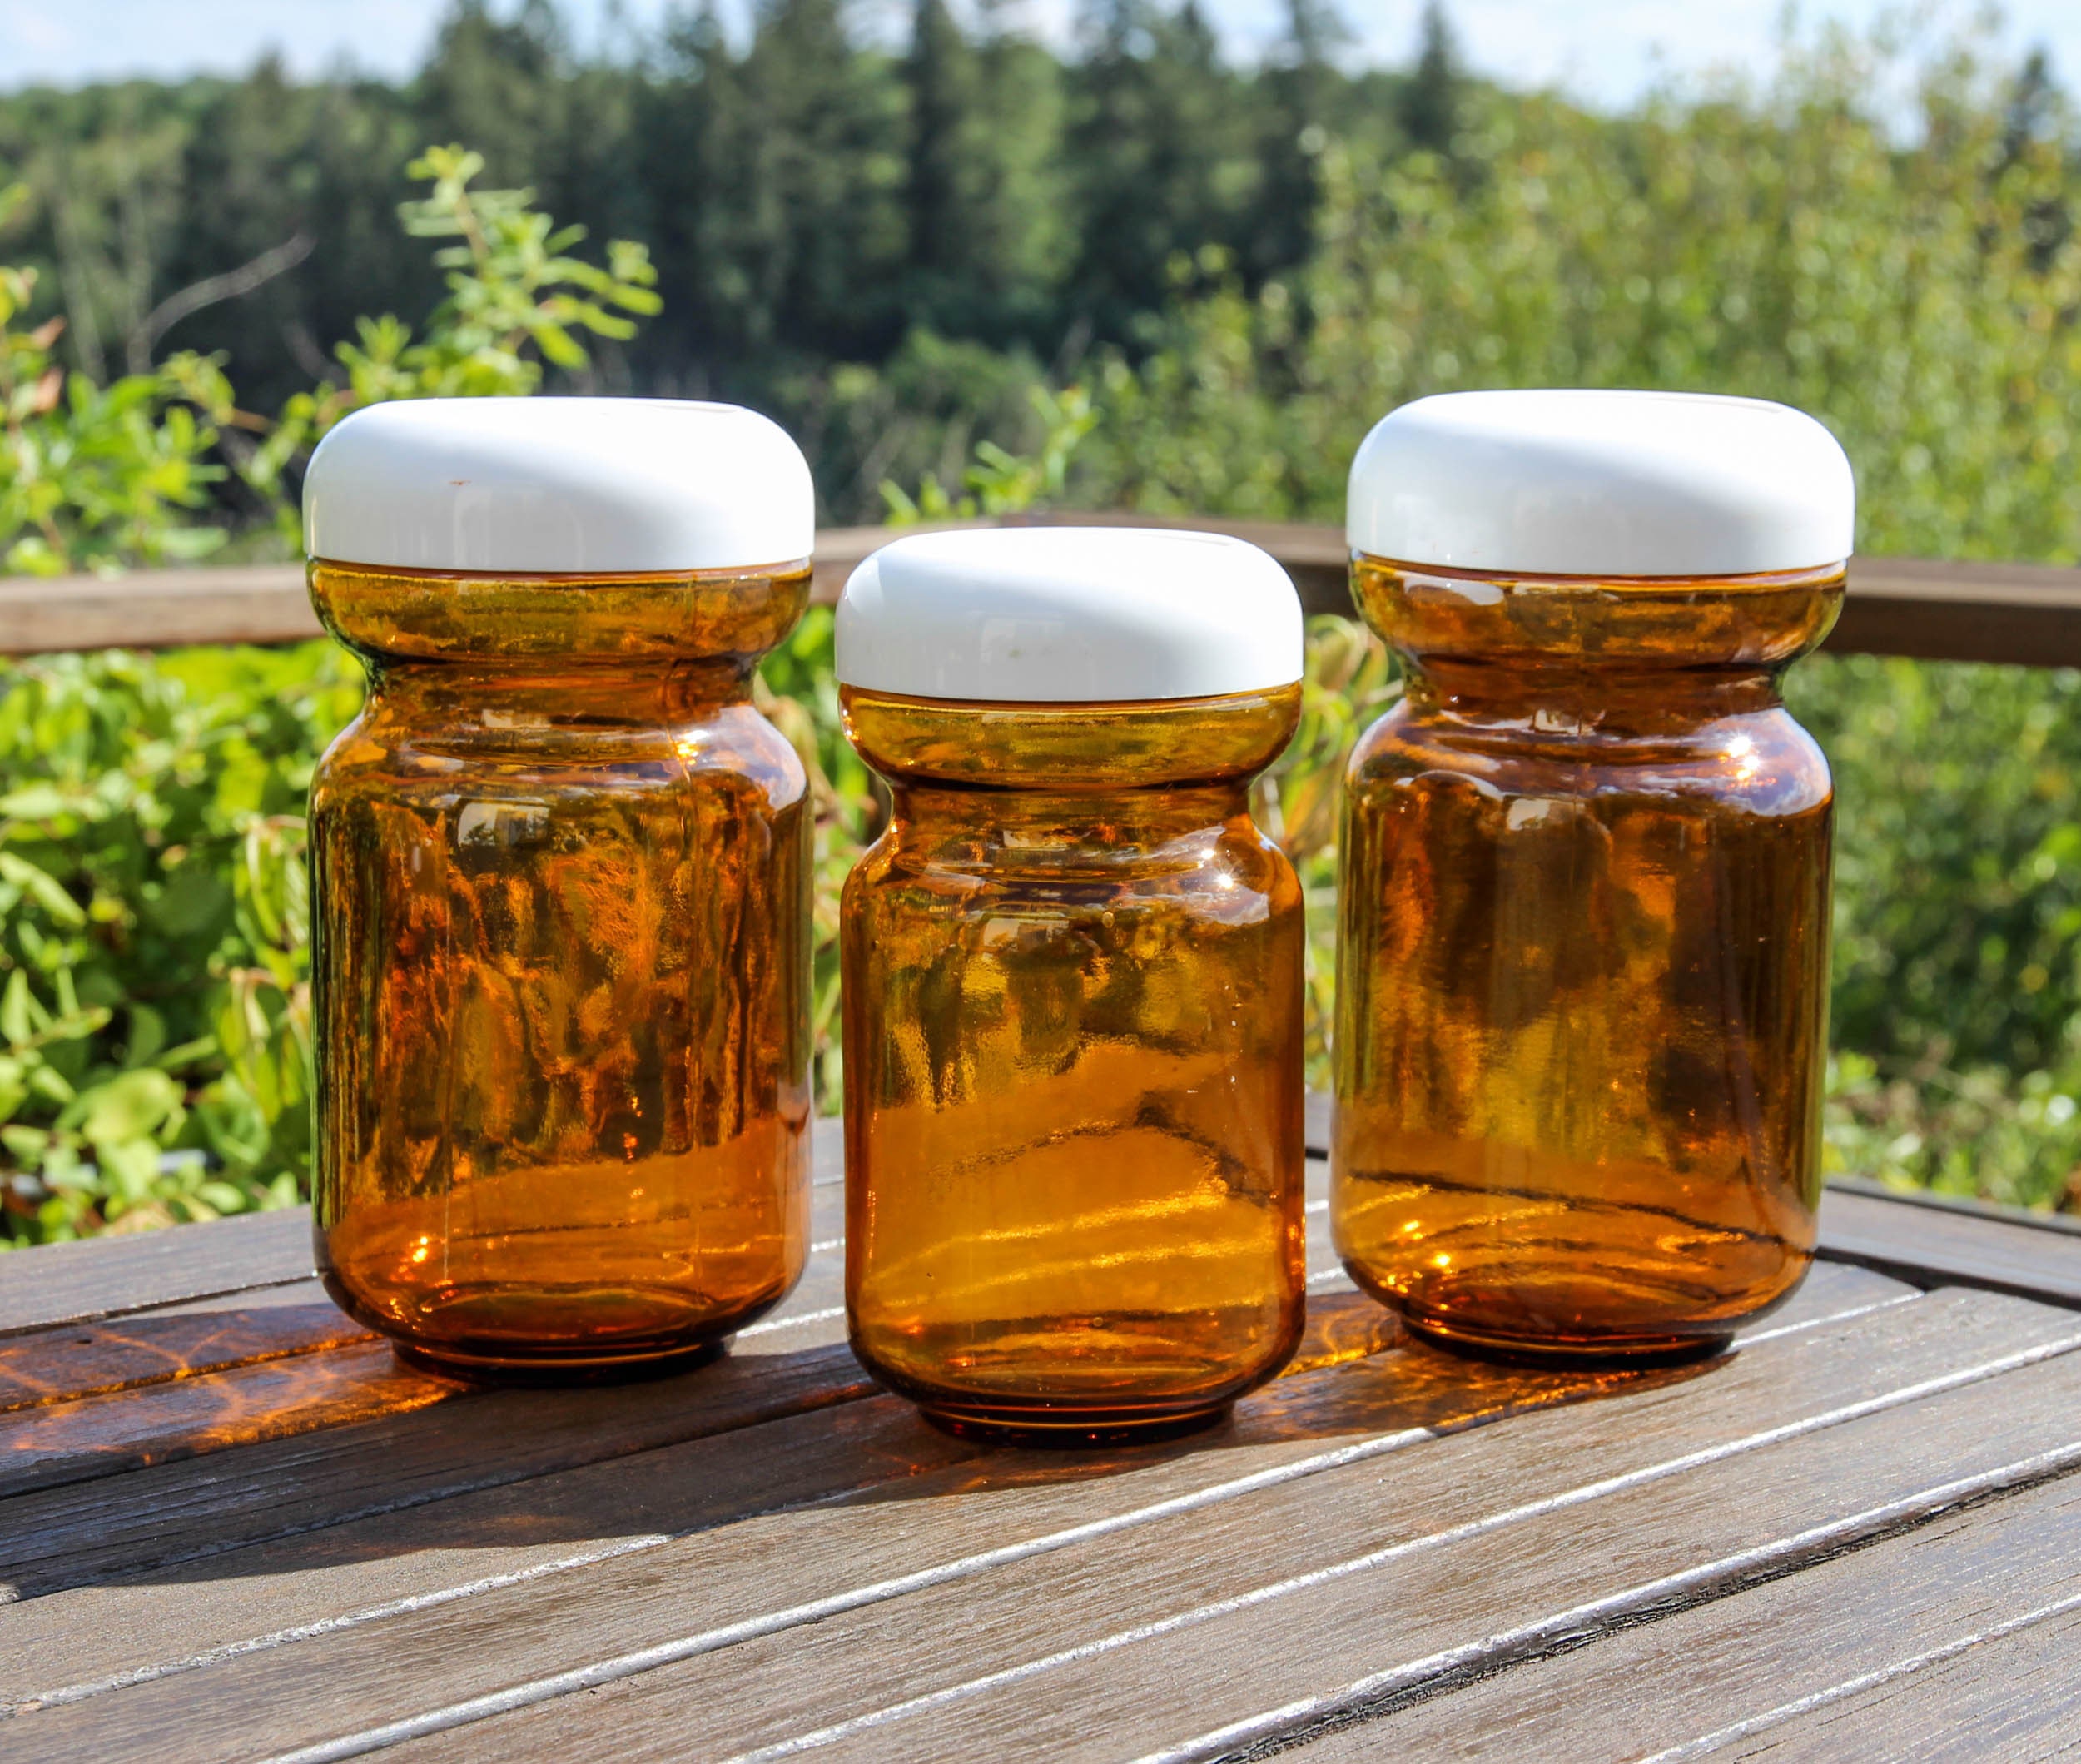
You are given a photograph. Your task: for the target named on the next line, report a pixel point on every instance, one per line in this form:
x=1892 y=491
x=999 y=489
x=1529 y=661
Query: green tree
x=945 y=127
x=1160 y=151
x=154 y=997
x=822 y=233
x=1298 y=90
x=1431 y=101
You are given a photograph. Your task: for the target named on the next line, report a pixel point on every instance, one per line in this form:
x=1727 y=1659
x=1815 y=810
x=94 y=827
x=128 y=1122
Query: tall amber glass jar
x=559 y=878
x=1073 y=979
x=1583 y=939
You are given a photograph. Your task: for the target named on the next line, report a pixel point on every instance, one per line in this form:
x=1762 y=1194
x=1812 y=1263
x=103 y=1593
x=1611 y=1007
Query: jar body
x=560 y=975
x=1072 y=980
x=1583 y=961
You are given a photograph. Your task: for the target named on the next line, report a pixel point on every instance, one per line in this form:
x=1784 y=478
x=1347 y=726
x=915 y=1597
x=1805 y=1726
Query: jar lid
x=1610 y=484
x=544 y=486
x=1069 y=615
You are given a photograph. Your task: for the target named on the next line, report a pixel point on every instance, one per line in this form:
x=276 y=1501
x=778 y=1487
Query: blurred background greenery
x=976 y=273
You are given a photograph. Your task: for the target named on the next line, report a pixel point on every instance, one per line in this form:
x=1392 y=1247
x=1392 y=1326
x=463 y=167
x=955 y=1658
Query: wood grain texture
x=1853 y=1652
x=1051 y=1619
x=2009 y=1695
x=531 y=1529
x=342 y=1578
x=1038 y=1506
x=761 y=1571
x=200 y=1507
x=1935 y=1246
x=272 y=1372
x=110 y=1276
x=125 y=1412
x=99 y=1359
x=2029 y=614
x=2026 y=614
x=242 y=1405
x=1206 y=1679
x=156 y=609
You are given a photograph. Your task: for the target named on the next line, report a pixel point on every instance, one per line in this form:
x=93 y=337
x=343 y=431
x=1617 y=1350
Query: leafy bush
x=1924 y=299
x=92 y=477
x=154 y=1016
x=154 y=935
x=515 y=300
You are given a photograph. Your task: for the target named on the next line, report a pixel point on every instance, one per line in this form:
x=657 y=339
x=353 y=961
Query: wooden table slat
x=53 y=1366
x=1262 y=1662
x=111 y=1276
x=103 y=1437
x=1898 y=1613
x=1940 y=1246
x=1063 y=1643
x=354 y=1573
x=277 y=1537
x=755 y=1572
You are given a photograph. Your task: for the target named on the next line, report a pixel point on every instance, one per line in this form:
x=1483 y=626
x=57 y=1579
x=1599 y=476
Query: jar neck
x=711 y=626
x=561 y=693
x=1042 y=754
x=1560 y=653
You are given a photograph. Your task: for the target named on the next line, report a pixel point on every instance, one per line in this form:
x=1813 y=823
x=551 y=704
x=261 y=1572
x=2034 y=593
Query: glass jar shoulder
x=1759 y=761
x=401 y=752
x=1103 y=748
x=1222 y=868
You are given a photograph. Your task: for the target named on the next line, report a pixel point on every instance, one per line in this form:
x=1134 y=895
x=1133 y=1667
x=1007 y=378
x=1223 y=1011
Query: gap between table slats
x=279 y=1487
x=89 y=1401
x=1248 y=1656
x=1854 y=1653
x=1311 y=1421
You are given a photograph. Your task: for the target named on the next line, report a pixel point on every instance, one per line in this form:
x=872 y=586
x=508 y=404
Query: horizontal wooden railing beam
x=2029 y=614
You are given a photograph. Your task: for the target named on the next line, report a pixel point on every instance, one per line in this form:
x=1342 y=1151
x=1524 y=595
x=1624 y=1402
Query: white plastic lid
x=1614 y=483
x=532 y=486
x=1069 y=615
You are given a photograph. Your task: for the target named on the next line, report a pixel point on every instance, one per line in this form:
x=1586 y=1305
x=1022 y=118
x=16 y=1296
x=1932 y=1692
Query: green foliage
x=516 y=300
x=809 y=195
x=1957 y=997
x=154 y=1004
x=92 y=476
x=1348 y=685
x=1241 y=272
x=998 y=481
x=798 y=691
x=154 y=900
x=1925 y=301
x=1787 y=249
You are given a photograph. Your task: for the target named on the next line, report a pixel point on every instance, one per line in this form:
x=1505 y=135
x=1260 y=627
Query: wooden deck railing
x=2025 y=613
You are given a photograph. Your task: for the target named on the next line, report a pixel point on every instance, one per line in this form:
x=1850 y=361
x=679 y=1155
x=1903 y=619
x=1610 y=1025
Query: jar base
x=1616 y=1354
x=561 y=1369
x=1069 y=1430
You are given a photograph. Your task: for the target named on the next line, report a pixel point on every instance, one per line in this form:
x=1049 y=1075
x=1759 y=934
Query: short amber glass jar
x=1583 y=936
x=560 y=888
x=1072 y=975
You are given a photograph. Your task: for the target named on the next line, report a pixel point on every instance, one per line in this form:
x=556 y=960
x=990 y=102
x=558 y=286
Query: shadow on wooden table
x=346 y=1455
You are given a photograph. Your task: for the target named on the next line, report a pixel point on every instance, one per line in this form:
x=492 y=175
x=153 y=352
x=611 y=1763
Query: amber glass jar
x=1072 y=978
x=559 y=872
x=1583 y=938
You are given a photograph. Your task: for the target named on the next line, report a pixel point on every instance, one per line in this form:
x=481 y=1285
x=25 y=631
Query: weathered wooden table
x=232 y=1526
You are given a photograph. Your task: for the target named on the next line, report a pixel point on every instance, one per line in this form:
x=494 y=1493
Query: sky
x=1605 y=51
